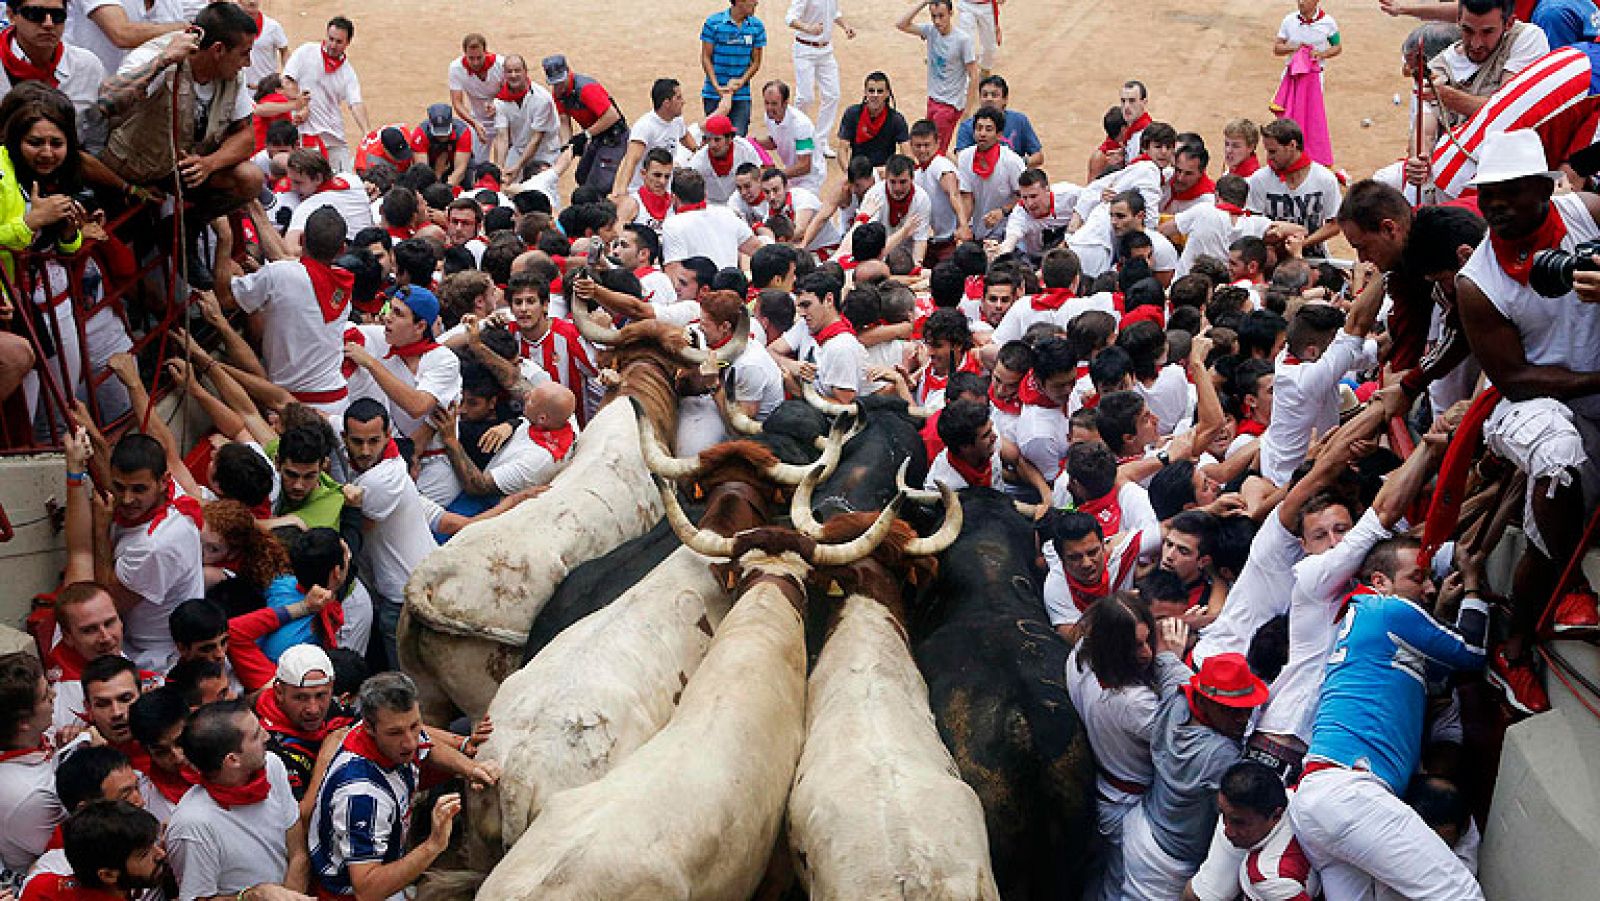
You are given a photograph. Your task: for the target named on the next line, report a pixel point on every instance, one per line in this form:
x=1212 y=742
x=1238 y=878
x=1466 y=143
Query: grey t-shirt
x=1190 y=759
x=948 y=55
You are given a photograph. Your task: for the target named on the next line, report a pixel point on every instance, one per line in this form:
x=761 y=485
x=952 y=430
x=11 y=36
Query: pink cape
x=1299 y=98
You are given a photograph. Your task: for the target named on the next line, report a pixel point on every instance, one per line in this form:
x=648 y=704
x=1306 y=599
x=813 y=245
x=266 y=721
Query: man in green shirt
x=307 y=491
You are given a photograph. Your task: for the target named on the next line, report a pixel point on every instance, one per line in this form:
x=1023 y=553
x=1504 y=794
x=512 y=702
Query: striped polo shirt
x=732 y=45
x=362 y=815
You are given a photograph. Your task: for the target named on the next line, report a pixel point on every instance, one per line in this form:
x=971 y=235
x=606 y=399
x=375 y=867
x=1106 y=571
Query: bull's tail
x=450 y=885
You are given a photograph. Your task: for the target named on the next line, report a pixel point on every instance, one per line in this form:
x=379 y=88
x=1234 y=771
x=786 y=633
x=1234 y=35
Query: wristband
x=76 y=477
x=464 y=743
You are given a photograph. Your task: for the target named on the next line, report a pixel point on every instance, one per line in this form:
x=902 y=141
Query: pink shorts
x=946 y=118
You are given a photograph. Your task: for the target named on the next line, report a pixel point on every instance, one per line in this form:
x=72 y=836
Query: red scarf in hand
x=723 y=165
x=1030 y=392
x=1051 y=299
x=332 y=285
x=557 y=441
x=414 y=349
x=1133 y=128
x=1515 y=255
x=185 y=504
x=1107 y=511
x=511 y=96
x=1251 y=427
x=1247 y=167
x=1449 y=493
x=330 y=64
x=19 y=67
x=230 y=796
x=971 y=474
x=984 y=161
x=1012 y=406
x=899 y=208
x=1303 y=161
x=839 y=327
x=657 y=205
x=172 y=786
x=482 y=74
x=1199 y=189
x=352 y=335
x=868 y=125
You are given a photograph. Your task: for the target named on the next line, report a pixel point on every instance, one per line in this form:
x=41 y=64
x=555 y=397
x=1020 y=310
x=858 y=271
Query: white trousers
x=816 y=76
x=1150 y=874
x=977 y=19
x=1362 y=838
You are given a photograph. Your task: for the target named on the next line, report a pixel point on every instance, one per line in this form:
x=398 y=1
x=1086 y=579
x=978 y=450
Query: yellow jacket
x=15 y=235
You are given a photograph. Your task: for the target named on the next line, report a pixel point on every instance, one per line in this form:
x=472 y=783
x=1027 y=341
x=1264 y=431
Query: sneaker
x=1519 y=682
x=830 y=153
x=1579 y=611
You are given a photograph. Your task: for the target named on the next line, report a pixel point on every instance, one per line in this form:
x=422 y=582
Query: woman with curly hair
x=232 y=544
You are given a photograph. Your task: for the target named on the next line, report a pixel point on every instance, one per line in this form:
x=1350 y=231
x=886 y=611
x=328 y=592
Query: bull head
x=831 y=408
x=662 y=463
x=803 y=520
x=688 y=356
x=710 y=544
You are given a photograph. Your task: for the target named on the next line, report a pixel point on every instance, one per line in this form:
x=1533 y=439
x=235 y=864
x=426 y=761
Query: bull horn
x=701 y=541
x=948 y=532
x=915 y=495
x=735 y=417
x=827 y=406
x=800 y=515
x=725 y=354
x=856 y=428
x=658 y=460
x=832 y=451
x=595 y=334
x=856 y=549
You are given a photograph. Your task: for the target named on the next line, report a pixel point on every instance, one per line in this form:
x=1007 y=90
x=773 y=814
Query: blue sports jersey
x=1375 y=692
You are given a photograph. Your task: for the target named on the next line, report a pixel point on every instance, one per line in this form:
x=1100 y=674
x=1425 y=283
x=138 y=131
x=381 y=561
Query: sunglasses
x=37 y=14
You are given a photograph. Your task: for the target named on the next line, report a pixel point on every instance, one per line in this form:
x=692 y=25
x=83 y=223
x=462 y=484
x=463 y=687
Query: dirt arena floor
x=1205 y=61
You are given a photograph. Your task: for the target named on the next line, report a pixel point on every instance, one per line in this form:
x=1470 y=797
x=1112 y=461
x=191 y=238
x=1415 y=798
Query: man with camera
x=1529 y=300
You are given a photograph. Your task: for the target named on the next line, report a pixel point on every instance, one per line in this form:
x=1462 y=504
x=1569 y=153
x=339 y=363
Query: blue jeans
x=740 y=114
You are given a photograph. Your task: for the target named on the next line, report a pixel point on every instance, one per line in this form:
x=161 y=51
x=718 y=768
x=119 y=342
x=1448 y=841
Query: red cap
x=1227 y=680
x=718 y=125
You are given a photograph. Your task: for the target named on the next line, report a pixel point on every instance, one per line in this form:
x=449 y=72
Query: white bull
x=879 y=810
x=469 y=604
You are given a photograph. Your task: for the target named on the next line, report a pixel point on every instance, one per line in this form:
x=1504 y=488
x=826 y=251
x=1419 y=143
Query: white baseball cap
x=299 y=666
x=1510 y=155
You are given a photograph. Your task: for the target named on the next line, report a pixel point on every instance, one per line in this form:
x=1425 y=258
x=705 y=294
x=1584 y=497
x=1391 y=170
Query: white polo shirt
x=264 y=53
x=78 y=75
x=520 y=120
x=715 y=232
x=942 y=226
x=216 y=851
x=301 y=351
x=653 y=131
x=480 y=91
x=720 y=187
x=328 y=90
x=991 y=193
x=796 y=135
x=162 y=566
x=401 y=533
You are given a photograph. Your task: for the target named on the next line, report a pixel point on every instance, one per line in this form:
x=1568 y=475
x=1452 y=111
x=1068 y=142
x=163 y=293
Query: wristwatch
x=1163 y=456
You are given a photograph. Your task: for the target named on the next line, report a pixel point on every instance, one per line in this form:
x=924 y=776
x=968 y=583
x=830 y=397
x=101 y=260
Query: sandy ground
x=1205 y=61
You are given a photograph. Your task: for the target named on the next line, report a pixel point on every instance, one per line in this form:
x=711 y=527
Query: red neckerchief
x=1050 y=212
x=1251 y=427
x=1051 y=299
x=400 y=234
x=1198 y=591
x=58 y=887
x=273 y=719
x=1012 y=406
x=331 y=616
x=333 y=184
x=689 y=207
x=260 y=20
x=67 y=662
x=1444 y=508
x=971 y=474
x=1084 y=594
x=1233 y=209
x=557 y=441
x=1133 y=128
x=1107 y=510
x=172 y=786
x=185 y=504
x=721 y=166
x=838 y=327
x=391 y=451
x=1303 y=161
x=230 y=796
x=511 y=96
x=643 y=271
x=480 y=74
x=657 y=205
x=19 y=67
x=1248 y=167
x=984 y=161
x=332 y=285
x=1109 y=144
x=1030 y=392
x=1290 y=359
x=330 y=64
x=1316 y=18
x=899 y=208
x=414 y=349
x=1199 y=189
x=868 y=125
x=44 y=749
x=1092 y=401
x=1344 y=603
x=1141 y=158
x=1515 y=255
x=359 y=742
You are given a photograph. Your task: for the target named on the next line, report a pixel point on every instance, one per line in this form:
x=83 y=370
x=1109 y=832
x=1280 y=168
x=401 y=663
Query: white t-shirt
x=653 y=131
x=875 y=206
x=1261 y=592
x=479 y=91
x=78 y=75
x=520 y=464
x=756 y=378
x=1042 y=438
x=30 y=809
x=720 y=187
x=302 y=352
x=1528 y=44
x=1319 y=33
x=401 y=534
x=943 y=224
x=1026 y=232
x=82 y=31
x=1305 y=399
x=1168 y=397
x=217 y=851
x=438 y=373
x=948 y=56
x=794 y=136
x=328 y=90
x=941 y=470
x=1208 y=231
x=162 y=566
x=1023 y=316
x=351 y=202
x=991 y=193
x=1313 y=204
x=715 y=232
x=535 y=112
x=264 y=53
x=841 y=364
x=1119 y=722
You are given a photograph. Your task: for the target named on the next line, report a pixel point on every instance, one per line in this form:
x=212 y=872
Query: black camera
x=1553 y=270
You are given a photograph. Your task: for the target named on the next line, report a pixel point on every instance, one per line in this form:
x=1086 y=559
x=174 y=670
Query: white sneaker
x=830 y=153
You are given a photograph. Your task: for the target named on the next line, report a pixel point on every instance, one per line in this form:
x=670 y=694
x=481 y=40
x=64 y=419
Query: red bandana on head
x=657 y=205
x=899 y=208
x=984 y=161
x=1051 y=299
x=869 y=124
x=230 y=796
x=184 y=504
x=331 y=64
x=1303 y=161
x=839 y=327
x=1133 y=128
x=971 y=474
x=1199 y=189
x=1515 y=255
x=19 y=67
x=332 y=285
x=557 y=441
x=1030 y=392
x=483 y=73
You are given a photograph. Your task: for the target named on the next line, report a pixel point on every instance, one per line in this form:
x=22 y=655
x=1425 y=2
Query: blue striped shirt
x=362 y=814
x=732 y=46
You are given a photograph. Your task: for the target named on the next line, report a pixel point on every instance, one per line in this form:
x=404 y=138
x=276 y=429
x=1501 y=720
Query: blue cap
x=422 y=303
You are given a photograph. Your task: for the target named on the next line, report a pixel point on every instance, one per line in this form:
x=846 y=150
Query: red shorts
x=946 y=118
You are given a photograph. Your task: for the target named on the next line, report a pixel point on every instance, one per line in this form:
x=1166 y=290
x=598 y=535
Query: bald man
x=527 y=459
